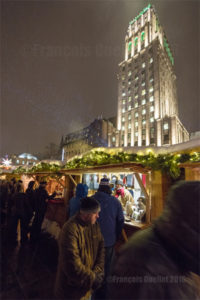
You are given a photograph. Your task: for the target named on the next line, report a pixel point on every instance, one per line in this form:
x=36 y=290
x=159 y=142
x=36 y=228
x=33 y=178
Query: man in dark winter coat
x=21 y=210
x=40 y=205
x=111 y=221
x=157 y=263
x=81 y=254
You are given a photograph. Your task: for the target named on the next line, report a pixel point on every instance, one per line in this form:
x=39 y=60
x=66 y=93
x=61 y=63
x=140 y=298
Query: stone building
x=147 y=98
x=92 y=136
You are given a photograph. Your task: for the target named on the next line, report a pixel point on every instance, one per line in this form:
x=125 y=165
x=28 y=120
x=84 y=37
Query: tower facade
x=147 y=99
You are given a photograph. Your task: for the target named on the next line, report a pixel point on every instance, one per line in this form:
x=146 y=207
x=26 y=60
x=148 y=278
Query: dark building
x=92 y=136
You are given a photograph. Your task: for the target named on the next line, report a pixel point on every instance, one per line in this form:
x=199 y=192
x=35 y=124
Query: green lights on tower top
x=168 y=51
x=140 y=14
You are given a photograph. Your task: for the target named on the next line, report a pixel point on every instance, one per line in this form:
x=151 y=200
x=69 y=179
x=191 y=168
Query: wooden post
x=160 y=184
x=192 y=173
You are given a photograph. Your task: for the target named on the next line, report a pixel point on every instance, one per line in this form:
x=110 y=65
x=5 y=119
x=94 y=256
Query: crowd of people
x=160 y=262
x=28 y=207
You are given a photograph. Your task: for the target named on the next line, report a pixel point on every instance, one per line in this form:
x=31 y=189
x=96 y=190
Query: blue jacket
x=74 y=203
x=111 y=218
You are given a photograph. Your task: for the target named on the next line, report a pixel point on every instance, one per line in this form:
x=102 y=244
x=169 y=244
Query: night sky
x=59 y=65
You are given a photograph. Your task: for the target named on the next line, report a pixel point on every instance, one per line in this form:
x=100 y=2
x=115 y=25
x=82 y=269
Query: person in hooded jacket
x=161 y=262
x=74 y=203
x=111 y=221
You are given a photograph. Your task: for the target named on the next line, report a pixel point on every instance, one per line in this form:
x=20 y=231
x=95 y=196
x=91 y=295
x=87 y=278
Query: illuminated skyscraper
x=147 y=99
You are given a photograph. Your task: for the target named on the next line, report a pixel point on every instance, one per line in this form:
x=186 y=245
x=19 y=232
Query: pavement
x=28 y=270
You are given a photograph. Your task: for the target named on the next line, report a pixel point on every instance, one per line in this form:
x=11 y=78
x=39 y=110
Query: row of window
x=143 y=101
x=143 y=92
x=130 y=107
x=136 y=72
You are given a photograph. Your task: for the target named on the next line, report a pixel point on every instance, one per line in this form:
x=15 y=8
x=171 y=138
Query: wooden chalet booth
x=151 y=183
x=154 y=189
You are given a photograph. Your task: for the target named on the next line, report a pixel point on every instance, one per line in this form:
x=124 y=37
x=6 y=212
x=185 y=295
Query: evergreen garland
x=167 y=163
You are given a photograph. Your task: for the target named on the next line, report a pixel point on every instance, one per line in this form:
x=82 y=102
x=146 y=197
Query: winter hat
x=104 y=181
x=119 y=182
x=89 y=205
x=104 y=186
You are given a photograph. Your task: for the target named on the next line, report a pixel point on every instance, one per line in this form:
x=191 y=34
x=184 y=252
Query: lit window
x=129 y=73
x=152 y=119
x=166 y=126
x=123 y=110
x=136 y=41
x=151 y=90
x=136 y=133
x=143 y=122
x=123 y=127
x=129 y=46
x=136 y=78
x=23 y=162
x=152 y=108
x=142 y=36
x=129 y=125
x=143 y=83
x=136 y=104
x=136 y=96
x=123 y=77
x=123 y=94
x=136 y=114
x=124 y=101
x=151 y=79
x=143 y=101
x=129 y=99
x=129 y=117
x=143 y=111
x=113 y=139
x=123 y=119
x=136 y=124
x=129 y=81
x=17 y=161
x=151 y=99
x=143 y=92
x=129 y=107
x=143 y=65
x=151 y=60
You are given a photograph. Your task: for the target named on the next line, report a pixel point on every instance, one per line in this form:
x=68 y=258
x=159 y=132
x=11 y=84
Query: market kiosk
x=144 y=181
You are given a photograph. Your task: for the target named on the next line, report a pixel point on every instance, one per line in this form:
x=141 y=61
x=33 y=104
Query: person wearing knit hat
x=104 y=186
x=124 y=197
x=81 y=253
x=111 y=221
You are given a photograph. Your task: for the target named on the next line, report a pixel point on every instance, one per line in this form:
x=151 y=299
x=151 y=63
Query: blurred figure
x=157 y=262
x=74 y=203
x=31 y=194
x=40 y=203
x=111 y=221
x=124 y=197
x=81 y=254
x=21 y=211
x=4 y=198
x=139 y=213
